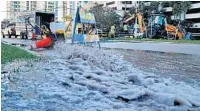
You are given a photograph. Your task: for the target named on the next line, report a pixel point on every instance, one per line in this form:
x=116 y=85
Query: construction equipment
x=33 y=22
x=139 y=24
x=158 y=26
x=84 y=26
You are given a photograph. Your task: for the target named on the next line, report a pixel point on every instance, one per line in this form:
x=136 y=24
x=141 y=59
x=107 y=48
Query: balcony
x=192 y=16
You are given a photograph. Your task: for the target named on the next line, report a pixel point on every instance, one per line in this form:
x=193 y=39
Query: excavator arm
x=140 y=21
x=130 y=18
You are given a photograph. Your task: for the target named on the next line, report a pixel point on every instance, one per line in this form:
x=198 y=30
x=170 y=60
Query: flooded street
x=181 y=67
x=77 y=78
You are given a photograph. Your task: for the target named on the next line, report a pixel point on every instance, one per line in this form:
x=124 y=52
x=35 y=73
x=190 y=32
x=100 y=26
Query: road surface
x=161 y=47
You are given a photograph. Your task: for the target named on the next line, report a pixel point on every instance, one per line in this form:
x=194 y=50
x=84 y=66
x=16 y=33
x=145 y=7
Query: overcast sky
x=3 y=8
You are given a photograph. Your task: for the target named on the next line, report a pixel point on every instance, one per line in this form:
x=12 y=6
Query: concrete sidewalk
x=161 y=47
x=17 y=41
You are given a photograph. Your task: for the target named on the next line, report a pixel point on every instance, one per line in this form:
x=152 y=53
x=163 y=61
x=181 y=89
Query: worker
x=33 y=35
x=112 y=31
x=126 y=28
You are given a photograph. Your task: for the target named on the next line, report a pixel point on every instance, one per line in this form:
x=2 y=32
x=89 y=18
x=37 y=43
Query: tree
x=180 y=7
x=105 y=16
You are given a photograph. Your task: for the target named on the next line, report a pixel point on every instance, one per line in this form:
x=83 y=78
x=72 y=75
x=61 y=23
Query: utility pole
x=136 y=10
x=64 y=11
x=125 y=5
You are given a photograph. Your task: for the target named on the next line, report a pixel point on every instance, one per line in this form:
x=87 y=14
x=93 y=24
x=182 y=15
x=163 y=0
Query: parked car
x=10 y=30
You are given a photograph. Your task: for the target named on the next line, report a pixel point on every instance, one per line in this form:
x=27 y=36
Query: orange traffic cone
x=42 y=43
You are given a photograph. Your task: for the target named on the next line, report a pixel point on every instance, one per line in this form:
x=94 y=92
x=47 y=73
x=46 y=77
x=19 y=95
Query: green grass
x=153 y=40
x=10 y=53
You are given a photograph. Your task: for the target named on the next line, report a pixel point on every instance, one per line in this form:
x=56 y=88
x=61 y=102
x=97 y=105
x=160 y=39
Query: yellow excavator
x=138 y=22
x=158 y=26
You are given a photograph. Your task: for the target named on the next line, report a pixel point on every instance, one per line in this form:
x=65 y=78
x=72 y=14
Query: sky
x=3 y=8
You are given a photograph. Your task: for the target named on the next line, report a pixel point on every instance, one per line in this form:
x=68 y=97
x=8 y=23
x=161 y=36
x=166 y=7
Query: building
x=15 y=8
x=65 y=8
x=46 y=6
x=49 y=6
x=193 y=15
x=119 y=6
x=72 y=7
x=61 y=10
x=30 y=5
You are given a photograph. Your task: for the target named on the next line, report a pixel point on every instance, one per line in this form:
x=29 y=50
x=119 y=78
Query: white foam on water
x=77 y=78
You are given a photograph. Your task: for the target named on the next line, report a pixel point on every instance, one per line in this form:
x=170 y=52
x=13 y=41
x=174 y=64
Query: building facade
x=60 y=8
x=119 y=6
x=193 y=15
x=15 y=8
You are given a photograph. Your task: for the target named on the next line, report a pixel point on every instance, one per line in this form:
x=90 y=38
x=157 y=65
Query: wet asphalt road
x=153 y=46
x=181 y=67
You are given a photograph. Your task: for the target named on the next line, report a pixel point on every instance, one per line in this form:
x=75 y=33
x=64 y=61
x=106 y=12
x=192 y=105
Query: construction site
x=100 y=56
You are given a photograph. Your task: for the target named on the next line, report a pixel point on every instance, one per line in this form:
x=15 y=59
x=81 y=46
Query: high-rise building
x=119 y=6
x=15 y=8
x=30 y=5
x=46 y=6
x=61 y=10
x=73 y=7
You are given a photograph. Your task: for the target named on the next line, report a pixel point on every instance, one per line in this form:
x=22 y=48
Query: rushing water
x=181 y=67
x=77 y=78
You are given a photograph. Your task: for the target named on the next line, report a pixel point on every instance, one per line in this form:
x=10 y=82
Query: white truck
x=10 y=30
x=27 y=23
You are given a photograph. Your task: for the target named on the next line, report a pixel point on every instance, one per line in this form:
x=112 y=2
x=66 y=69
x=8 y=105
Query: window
x=166 y=5
x=195 y=1
x=123 y=8
x=168 y=13
x=27 y=8
x=195 y=20
x=110 y=3
x=196 y=10
x=126 y=2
